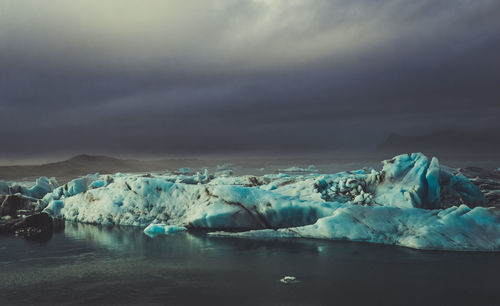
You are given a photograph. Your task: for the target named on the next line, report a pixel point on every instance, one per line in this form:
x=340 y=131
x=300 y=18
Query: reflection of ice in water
x=121 y=265
x=125 y=238
x=132 y=240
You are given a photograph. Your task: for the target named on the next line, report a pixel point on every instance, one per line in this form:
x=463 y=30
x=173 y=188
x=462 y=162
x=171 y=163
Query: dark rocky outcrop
x=13 y=205
x=18 y=216
x=37 y=226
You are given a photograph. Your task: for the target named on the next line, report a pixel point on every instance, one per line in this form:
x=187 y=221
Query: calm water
x=97 y=265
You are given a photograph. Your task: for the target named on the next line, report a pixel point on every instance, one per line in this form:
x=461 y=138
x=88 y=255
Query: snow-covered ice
x=413 y=201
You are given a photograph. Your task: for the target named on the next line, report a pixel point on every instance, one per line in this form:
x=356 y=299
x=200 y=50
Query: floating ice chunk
x=289 y=280
x=224 y=167
x=224 y=173
x=163 y=229
x=197 y=178
x=292 y=169
x=311 y=168
x=184 y=171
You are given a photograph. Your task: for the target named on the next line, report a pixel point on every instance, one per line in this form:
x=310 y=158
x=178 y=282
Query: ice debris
x=162 y=229
x=311 y=168
x=289 y=280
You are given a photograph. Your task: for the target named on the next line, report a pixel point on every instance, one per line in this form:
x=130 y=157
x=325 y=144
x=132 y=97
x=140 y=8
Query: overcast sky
x=163 y=78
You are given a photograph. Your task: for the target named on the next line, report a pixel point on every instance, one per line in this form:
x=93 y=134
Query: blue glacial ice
x=454 y=228
x=153 y=230
x=413 y=201
x=42 y=186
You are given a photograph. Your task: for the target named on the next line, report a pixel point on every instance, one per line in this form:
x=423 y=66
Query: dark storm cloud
x=177 y=77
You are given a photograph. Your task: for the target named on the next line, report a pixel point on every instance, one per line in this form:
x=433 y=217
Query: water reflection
x=133 y=240
x=114 y=265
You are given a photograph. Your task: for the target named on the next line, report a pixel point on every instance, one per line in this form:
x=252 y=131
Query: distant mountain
x=76 y=166
x=86 y=164
x=444 y=142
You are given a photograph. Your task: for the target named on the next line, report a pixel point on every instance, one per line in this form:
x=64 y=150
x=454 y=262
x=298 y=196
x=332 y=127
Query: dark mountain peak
x=86 y=158
x=76 y=166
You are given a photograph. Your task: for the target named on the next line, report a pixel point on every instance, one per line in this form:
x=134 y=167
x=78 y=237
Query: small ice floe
x=311 y=168
x=224 y=167
x=289 y=280
x=184 y=171
x=162 y=229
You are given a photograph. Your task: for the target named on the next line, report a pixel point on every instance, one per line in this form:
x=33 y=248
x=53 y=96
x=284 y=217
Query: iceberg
x=413 y=201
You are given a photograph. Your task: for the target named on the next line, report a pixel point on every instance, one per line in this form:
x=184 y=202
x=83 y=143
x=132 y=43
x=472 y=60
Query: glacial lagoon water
x=86 y=264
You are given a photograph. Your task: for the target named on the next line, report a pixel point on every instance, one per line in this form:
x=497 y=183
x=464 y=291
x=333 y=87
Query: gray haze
x=161 y=78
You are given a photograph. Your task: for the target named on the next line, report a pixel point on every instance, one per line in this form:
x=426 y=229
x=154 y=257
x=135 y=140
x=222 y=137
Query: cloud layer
x=197 y=77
